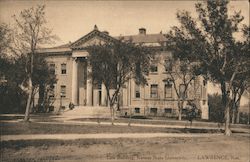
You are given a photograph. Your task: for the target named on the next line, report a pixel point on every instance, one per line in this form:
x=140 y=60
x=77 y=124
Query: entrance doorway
x=99 y=97
x=99 y=93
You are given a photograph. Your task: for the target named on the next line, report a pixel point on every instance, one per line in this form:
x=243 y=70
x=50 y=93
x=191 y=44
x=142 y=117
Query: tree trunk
x=227 y=121
x=237 y=112
x=225 y=102
x=32 y=103
x=111 y=113
x=238 y=117
x=28 y=104
x=180 y=112
x=180 y=106
x=233 y=116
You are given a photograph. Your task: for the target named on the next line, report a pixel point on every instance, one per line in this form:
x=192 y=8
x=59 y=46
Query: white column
x=81 y=75
x=89 y=87
x=104 y=95
x=74 y=82
x=95 y=97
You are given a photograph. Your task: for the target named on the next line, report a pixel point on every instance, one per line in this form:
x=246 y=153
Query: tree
x=6 y=37
x=209 y=40
x=216 y=109
x=44 y=79
x=32 y=33
x=11 y=95
x=13 y=89
x=242 y=81
x=192 y=112
x=183 y=75
x=240 y=85
x=113 y=64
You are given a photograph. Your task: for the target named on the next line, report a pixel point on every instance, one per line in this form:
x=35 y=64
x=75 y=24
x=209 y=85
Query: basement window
x=137 y=110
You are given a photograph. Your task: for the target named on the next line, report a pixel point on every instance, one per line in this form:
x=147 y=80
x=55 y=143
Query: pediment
x=95 y=37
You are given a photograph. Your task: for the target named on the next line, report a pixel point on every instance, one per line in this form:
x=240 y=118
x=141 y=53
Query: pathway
x=102 y=136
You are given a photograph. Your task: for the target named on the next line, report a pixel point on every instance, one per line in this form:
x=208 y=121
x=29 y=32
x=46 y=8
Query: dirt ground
x=217 y=148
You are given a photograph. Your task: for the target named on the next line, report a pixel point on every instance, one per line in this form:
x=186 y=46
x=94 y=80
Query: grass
x=136 y=120
x=235 y=149
x=10 y=117
x=43 y=128
x=167 y=121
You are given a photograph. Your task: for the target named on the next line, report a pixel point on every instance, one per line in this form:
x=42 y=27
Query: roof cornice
x=93 y=33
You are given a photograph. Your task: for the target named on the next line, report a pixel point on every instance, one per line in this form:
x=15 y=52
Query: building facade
x=70 y=64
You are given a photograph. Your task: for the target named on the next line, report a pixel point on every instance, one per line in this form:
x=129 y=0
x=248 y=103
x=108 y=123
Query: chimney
x=142 y=31
x=95 y=27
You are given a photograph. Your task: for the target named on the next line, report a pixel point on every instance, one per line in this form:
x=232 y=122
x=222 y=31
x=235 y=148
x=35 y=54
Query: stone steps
x=88 y=111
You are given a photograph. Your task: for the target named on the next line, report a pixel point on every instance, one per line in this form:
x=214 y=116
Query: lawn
x=45 y=128
x=197 y=149
x=216 y=148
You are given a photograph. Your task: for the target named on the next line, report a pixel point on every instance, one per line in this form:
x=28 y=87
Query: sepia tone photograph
x=124 y=81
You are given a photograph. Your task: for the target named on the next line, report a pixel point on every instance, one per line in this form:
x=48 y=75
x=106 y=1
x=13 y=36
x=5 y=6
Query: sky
x=70 y=20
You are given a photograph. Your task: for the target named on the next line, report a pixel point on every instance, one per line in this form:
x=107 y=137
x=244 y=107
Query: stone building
x=70 y=64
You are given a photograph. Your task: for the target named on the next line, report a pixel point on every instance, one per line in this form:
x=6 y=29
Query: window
x=137 y=91
x=168 y=65
x=51 y=91
x=184 y=111
x=168 y=110
x=52 y=68
x=168 y=90
x=99 y=86
x=63 y=91
x=182 y=92
x=153 y=111
x=137 y=110
x=154 y=91
x=63 y=68
x=203 y=102
x=153 y=68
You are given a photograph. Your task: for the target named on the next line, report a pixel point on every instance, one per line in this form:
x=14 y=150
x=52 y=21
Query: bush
x=244 y=118
x=12 y=99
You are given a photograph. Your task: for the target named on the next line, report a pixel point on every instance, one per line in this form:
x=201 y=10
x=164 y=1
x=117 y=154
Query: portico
x=84 y=93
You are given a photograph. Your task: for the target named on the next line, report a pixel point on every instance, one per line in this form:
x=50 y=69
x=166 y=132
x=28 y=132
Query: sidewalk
x=102 y=136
